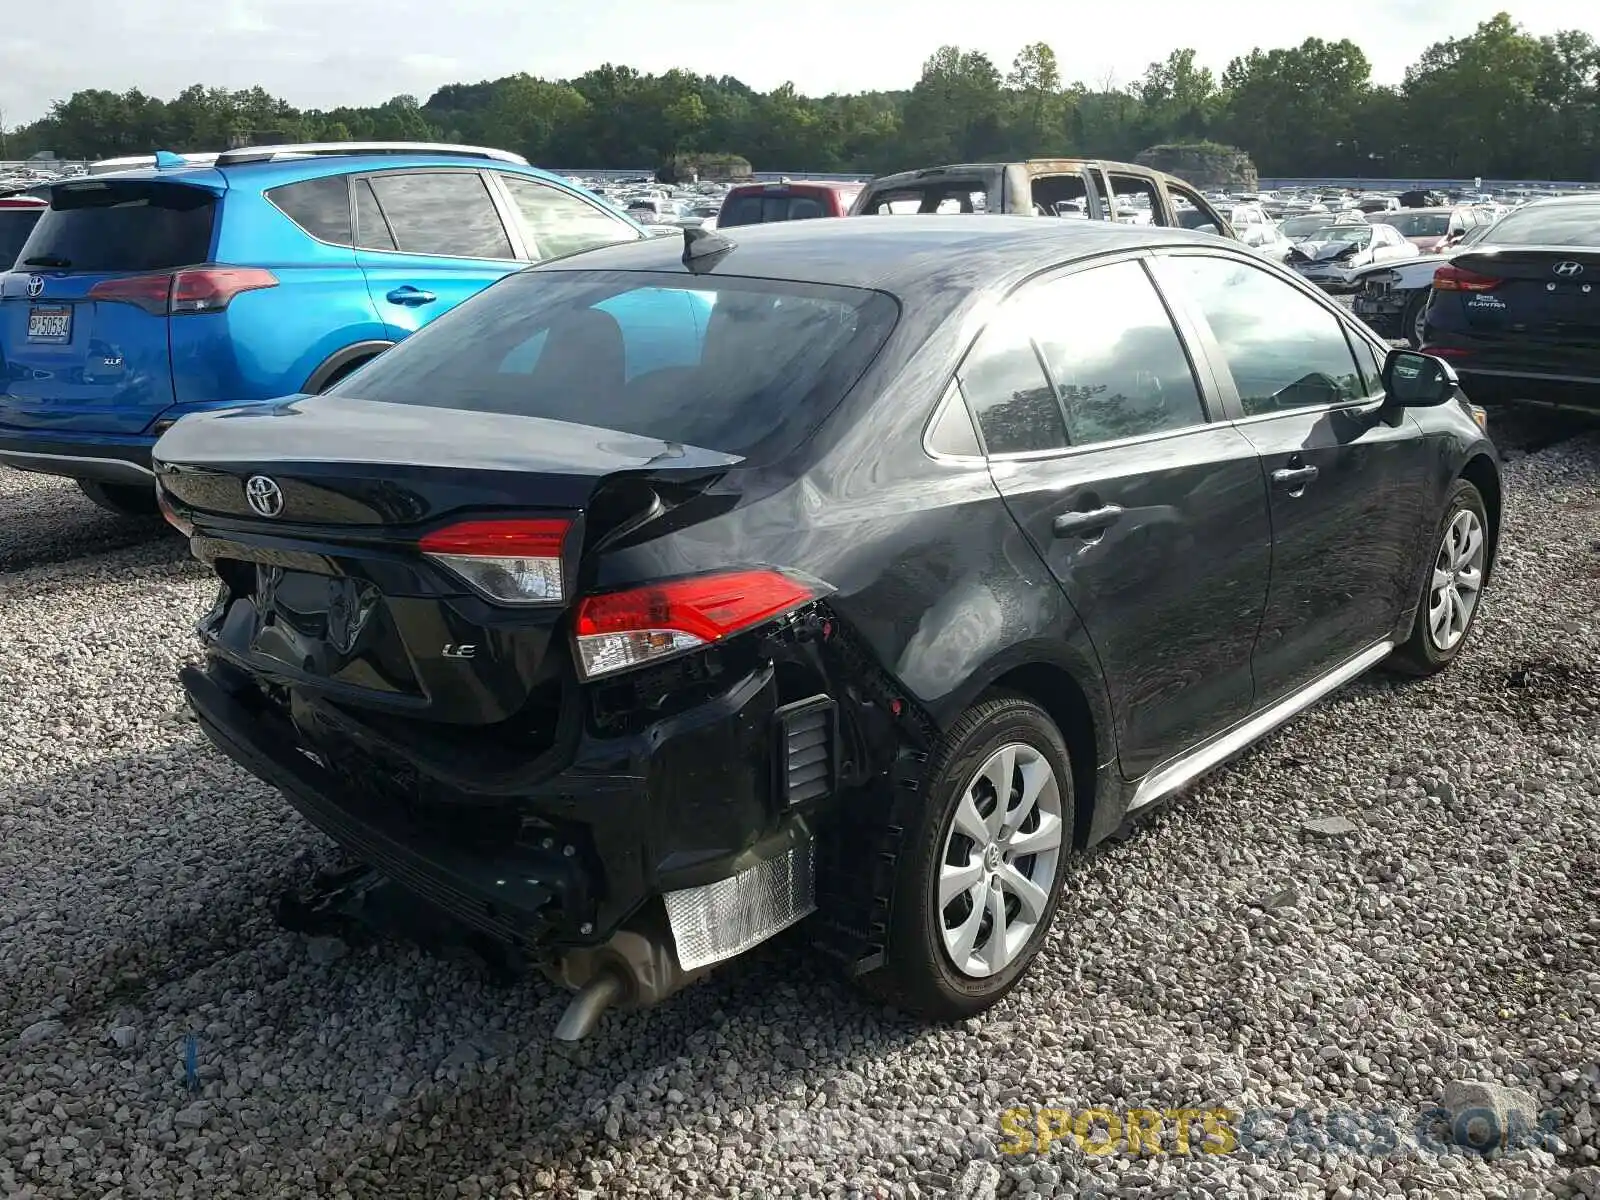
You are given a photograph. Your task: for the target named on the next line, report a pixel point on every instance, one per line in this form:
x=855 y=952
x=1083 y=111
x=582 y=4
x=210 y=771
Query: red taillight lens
x=1457 y=279
x=625 y=629
x=211 y=289
x=194 y=290
x=164 y=503
x=149 y=292
x=511 y=561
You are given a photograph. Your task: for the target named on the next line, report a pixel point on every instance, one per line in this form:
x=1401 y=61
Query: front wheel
x=1452 y=588
x=124 y=499
x=982 y=867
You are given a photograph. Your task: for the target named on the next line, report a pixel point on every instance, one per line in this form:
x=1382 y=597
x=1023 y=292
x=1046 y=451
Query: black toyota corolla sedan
x=665 y=595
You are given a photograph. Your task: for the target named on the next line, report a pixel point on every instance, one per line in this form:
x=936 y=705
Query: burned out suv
x=664 y=595
x=1045 y=187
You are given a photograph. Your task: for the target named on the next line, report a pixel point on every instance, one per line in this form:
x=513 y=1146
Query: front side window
x=1113 y=354
x=444 y=213
x=1283 y=348
x=560 y=222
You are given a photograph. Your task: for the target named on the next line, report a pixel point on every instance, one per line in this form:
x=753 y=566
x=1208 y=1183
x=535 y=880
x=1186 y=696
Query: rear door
x=1347 y=490
x=79 y=363
x=428 y=239
x=1151 y=516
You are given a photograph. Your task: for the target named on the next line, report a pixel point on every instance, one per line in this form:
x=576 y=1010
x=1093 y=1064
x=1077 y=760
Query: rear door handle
x=410 y=297
x=1084 y=523
x=1293 y=479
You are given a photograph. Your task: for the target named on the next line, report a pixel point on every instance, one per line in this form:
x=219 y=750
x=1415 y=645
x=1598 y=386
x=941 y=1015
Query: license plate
x=52 y=324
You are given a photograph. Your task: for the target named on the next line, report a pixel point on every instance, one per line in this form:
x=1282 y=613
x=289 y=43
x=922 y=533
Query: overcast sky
x=323 y=53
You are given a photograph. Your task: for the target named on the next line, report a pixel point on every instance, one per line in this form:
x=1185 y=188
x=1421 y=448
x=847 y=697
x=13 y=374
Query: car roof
x=906 y=256
x=274 y=173
x=832 y=185
x=29 y=202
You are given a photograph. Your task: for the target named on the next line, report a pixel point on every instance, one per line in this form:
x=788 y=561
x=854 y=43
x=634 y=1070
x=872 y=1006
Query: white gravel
x=1240 y=950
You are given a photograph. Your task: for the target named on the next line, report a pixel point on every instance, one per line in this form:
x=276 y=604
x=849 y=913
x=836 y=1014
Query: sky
x=325 y=53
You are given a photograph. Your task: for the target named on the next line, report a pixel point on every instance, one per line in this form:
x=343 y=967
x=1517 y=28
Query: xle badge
x=465 y=650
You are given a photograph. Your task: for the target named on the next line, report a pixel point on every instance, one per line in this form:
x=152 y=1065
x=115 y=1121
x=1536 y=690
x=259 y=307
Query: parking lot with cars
x=621 y=684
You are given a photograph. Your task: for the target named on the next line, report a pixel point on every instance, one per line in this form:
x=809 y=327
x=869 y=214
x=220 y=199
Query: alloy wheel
x=1457 y=580
x=1419 y=323
x=999 y=860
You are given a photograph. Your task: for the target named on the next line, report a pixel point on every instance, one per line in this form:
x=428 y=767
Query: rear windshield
x=943 y=197
x=109 y=225
x=15 y=225
x=1552 y=225
x=1419 y=224
x=757 y=208
x=744 y=366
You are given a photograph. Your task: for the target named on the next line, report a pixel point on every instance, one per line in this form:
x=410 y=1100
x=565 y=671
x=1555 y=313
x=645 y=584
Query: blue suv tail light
x=191 y=290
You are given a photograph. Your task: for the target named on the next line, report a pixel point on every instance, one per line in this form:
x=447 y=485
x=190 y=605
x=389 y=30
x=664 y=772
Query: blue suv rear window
x=122 y=226
x=321 y=207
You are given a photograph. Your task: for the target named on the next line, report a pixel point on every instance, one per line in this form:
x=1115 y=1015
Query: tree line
x=1500 y=102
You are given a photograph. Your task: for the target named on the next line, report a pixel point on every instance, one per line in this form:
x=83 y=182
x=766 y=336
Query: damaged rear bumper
x=692 y=809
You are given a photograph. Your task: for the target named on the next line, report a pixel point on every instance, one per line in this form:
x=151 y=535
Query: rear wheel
x=1452 y=587
x=982 y=869
x=125 y=499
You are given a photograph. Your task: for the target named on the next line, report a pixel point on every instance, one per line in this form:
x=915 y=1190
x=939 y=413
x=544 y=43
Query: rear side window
x=15 y=226
x=321 y=207
x=108 y=225
x=927 y=198
x=742 y=366
x=446 y=213
x=561 y=223
x=1113 y=354
x=1009 y=392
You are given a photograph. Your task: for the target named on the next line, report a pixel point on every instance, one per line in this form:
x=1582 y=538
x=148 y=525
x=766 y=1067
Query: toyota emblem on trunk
x=35 y=286
x=1568 y=269
x=264 y=496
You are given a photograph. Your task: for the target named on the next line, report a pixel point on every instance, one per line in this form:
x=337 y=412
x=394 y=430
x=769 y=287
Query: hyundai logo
x=35 y=287
x=1568 y=269
x=263 y=495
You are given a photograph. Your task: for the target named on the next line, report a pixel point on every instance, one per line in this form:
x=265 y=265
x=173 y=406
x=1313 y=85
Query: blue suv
x=146 y=294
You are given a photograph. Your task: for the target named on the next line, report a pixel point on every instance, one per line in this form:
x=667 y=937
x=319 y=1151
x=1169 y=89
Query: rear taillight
x=508 y=561
x=193 y=290
x=1458 y=279
x=178 y=522
x=625 y=629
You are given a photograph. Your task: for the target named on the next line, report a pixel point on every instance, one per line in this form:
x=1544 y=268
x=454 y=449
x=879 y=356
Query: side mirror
x=1413 y=380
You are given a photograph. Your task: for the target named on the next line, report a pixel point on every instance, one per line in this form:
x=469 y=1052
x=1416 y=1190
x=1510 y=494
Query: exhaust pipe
x=636 y=969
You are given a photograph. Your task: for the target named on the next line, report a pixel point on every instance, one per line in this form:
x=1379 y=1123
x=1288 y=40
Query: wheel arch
x=1481 y=473
x=1055 y=689
x=341 y=362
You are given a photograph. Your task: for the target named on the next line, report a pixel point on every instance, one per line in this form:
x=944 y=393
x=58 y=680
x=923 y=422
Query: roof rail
x=253 y=154
x=133 y=162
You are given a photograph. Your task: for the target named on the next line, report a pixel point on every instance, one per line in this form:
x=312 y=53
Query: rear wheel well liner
x=341 y=362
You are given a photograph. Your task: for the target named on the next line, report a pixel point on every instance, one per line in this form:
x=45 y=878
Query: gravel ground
x=1227 y=954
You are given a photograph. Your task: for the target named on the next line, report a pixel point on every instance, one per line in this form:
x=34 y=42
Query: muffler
x=637 y=968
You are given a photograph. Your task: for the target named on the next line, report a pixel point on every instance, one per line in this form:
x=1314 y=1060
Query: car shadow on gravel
x=51 y=525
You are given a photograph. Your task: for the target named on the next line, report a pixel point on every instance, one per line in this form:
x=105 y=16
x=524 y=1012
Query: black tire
x=1411 y=317
x=918 y=975
x=1421 y=654
x=342 y=373
x=124 y=499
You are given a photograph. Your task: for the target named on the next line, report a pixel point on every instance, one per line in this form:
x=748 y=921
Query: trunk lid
x=335 y=595
x=75 y=363
x=1545 y=293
